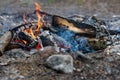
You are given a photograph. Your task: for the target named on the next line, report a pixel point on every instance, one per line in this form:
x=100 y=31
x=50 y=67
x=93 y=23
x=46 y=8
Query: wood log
x=13 y=46
x=4 y=41
x=81 y=29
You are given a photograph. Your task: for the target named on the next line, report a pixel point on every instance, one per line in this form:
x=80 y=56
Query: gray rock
x=62 y=63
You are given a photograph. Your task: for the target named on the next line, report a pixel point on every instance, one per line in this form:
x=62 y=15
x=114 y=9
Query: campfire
x=39 y=45
x=27 y=35
x=67 y=34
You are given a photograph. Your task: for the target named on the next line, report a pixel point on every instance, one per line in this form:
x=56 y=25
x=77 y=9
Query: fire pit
x=71 y=35
x=51 y=34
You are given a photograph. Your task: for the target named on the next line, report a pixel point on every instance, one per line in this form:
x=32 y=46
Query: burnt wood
x=79 y=28
x=13 y=46
x=23 y=26
x=30 y=41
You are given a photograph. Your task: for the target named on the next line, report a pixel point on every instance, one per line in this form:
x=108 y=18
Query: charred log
x=29 y=41
x=82 y=29
x=13 y=46
x=23 y=27
x=78 y=28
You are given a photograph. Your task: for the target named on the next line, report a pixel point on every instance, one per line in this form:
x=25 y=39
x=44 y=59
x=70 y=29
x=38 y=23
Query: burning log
x=27 y=40
x=18 y=37
x=4 y=41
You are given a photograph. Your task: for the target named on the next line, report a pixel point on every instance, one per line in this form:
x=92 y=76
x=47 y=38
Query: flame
x=39 y=24
x=38 y=9
x=30 y=31
x=33 y=31
x=25 y=42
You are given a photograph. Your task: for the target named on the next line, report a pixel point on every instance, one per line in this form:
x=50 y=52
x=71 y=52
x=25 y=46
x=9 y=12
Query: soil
x=102 y=66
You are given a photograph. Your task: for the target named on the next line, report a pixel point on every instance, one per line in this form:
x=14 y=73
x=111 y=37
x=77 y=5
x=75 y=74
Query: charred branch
x=29 y=41
x=13 y=46
x=23 y=26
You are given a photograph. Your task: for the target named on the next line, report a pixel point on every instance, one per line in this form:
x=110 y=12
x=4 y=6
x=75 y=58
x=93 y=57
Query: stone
x=60 y=63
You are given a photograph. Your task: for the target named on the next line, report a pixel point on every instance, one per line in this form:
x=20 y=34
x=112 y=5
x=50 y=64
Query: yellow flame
x=32 y=33
x=38 y=9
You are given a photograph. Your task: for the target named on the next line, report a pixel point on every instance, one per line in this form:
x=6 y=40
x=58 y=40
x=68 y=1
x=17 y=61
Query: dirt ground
x=102 y=66
x=64 y=8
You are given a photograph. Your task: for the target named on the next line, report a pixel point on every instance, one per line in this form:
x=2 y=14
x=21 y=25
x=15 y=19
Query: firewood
x=30 y=41
x=79 y=28
x=4 y=41
x=13 y=46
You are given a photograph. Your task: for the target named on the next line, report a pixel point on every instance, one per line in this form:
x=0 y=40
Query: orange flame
x=25 y=42
x=38 y=9
x=33 y=32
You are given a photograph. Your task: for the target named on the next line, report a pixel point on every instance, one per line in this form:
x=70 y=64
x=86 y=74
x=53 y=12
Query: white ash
x=56 y=40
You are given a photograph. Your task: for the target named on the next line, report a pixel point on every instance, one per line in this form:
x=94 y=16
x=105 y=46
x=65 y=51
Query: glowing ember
x=38 y=46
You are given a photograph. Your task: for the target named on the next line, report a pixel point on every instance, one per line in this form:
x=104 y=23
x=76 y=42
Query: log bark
x=4 y=41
